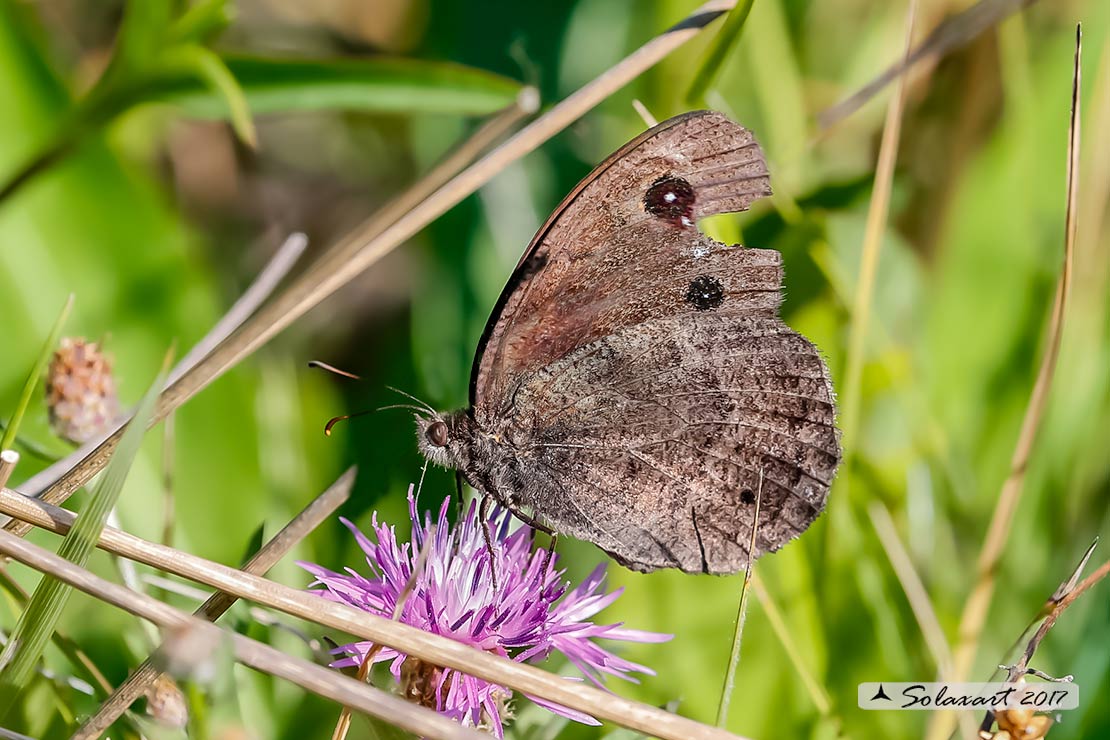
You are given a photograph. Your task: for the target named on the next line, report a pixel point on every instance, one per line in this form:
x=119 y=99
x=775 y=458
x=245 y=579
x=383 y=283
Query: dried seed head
x=166 y=704
x=1021 y=724
x=80 y=391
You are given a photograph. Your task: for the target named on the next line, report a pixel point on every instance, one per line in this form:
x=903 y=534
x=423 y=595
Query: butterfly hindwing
x=654 y=442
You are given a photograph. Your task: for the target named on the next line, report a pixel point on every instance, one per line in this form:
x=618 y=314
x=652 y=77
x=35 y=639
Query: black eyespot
x=437 y=434
x=671 y=199
x=747 y=497
x=705 y=293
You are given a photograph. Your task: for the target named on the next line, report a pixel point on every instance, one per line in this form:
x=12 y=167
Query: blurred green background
x=158 y=220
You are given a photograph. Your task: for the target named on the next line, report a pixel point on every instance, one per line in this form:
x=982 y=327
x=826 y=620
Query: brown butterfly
x=635 y=384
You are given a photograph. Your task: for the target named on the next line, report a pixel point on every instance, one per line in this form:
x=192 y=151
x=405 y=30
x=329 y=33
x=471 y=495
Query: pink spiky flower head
x=529 y=613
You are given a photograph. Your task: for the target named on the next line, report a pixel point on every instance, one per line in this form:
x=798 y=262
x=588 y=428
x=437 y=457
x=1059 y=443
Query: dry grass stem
x=280 y=265
x=643 y=112
x=816 y=692
x=975 y=611
x=169 y=504
x=8 y=460
x=951 y=34
x=358 y=253
x=915 y=591
x=918 y=598
x=322 y=507
x=433 y=649
x=1068 y=586
x=877 y=213
x=323 y=681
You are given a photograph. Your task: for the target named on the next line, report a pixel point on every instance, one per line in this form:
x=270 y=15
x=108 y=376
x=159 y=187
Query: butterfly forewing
x=589 y=269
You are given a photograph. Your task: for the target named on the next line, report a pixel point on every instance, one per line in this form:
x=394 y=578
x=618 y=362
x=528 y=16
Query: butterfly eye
x=437 y=434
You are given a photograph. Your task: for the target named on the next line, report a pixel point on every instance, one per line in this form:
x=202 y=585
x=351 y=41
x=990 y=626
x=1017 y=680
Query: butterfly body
x=635 y=386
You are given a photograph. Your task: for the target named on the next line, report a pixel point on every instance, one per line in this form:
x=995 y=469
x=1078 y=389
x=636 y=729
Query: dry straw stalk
x=430 y=648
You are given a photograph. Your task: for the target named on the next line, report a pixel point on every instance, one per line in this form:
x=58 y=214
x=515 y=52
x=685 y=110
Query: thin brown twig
x=430 y=648
x=975 y=611
x=322 y=507
x=1019 y=668
x=317 y=679
x=1061 y=591
x=359 y=253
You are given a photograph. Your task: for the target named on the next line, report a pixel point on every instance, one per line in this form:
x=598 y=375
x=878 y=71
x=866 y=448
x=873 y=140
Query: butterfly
x=635 y=386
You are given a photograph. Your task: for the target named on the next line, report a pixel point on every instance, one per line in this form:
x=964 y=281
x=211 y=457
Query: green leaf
x=722 y=44
x=202 y=21
x=37 y=622
x=12 y=428
x=378 y=85
x=207 y=67
x=142 y=33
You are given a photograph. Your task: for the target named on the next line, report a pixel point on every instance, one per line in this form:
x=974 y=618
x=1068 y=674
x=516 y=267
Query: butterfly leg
x=535 y=524
x=550 y=551
x=483 y=514
x=532 y=522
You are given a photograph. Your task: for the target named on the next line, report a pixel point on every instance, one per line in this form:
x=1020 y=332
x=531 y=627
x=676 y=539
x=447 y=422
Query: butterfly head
x=443 y=438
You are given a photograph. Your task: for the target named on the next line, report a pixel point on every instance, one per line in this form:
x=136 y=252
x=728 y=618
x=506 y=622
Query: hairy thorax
x=487 y=459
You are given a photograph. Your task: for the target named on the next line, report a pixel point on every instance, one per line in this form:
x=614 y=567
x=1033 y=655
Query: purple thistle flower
x=526 y=616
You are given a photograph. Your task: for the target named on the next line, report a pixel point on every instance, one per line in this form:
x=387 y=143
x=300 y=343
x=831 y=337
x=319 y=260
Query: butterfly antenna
x=411 y=397
x=418 y=409
x=318 y=365
x=336 y=419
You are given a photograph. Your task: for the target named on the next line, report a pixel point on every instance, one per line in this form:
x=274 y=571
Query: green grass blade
x=142 y=33
x=729 y=683
x=373 y=85
x=202 y=21
x=207 y=67
x=12 y=427
x=37 y=622
x=722 y=44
